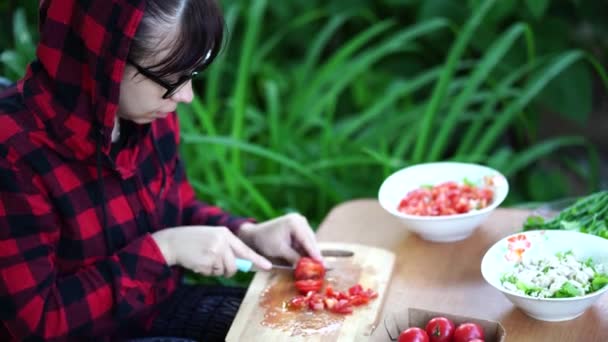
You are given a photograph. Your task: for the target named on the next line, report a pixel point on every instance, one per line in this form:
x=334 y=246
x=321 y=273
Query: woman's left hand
x=289 y=237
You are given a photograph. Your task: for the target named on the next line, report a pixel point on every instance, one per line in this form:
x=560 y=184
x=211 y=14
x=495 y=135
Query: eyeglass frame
x=172 y=89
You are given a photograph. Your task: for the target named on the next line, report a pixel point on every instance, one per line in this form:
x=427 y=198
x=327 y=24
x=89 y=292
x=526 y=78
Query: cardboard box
x=415 y=317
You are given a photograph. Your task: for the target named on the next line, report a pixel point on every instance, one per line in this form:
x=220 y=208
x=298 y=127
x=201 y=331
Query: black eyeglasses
x=172 y=88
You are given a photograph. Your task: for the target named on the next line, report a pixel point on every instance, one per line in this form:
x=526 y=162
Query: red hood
x=84 y=78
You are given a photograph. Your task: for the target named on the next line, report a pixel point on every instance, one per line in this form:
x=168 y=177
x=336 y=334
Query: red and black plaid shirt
x=76 y=256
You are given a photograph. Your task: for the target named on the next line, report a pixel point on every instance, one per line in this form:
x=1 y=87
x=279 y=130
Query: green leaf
x=490 y=60
x=537 y=7
x=599 y=281
x=23 y=39
x=255 y=16
x=531 y=90
x=441 y=9
x=13 y=62
x=567 y=290
x=536 y=152
x=261 y=152
x=545 y=185
x=570 y=225
x=439 y=92
x=570 y=94
x=528 y=289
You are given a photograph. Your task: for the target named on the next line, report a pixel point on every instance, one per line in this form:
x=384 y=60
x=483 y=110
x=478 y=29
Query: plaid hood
x=77 y=257
x=73 y=86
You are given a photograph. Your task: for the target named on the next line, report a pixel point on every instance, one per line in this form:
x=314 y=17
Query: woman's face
x=141 y=99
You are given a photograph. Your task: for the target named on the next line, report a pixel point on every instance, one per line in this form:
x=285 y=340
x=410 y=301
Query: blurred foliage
x=315 y=102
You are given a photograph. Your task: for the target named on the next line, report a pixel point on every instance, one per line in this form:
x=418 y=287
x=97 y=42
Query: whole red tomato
x=413 y=334
x=440 y=329
x=466 y=332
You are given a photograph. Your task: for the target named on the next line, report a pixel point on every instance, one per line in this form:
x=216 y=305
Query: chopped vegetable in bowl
x=448 y=198
x=556 y=276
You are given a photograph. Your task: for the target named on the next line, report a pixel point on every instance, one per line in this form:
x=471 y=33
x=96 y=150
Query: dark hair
x=200 y=32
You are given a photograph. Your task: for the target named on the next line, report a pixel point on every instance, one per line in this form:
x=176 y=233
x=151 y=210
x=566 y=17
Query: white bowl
x=440 y=228
x=503 y=254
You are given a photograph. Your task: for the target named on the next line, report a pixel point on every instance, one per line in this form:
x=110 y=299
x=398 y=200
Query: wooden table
x=447 y=277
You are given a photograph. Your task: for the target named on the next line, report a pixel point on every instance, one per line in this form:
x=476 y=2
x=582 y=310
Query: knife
x=245 y=265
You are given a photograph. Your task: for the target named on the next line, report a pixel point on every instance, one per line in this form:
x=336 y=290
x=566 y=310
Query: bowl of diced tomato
x=443 y=201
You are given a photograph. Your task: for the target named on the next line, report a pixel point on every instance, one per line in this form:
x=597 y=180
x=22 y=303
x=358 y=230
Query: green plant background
x=315 y=102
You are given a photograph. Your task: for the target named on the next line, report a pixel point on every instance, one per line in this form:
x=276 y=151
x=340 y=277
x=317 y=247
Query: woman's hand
x=289 y=237
x=206 y=250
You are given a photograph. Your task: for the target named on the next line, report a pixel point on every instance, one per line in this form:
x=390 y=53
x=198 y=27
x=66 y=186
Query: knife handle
x=244 y=265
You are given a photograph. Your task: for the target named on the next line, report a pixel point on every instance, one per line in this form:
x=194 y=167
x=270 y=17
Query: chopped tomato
x=355 y=290
x=448 y=198
x=330 y=302
x=316 y=302
x=309 y=278
x=359 y=299
x=342 y=307
x=342 y=295
x=297 y=303
x=370 y=293
x=329 y=292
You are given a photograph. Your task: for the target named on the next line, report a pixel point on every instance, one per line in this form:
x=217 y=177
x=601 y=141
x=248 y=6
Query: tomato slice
x=307 y=285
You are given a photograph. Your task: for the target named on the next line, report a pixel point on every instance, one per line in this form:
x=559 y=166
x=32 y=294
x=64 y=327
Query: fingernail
x=266 y=264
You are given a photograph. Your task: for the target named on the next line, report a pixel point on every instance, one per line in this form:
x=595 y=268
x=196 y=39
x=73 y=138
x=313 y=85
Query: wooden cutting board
x=262 y=317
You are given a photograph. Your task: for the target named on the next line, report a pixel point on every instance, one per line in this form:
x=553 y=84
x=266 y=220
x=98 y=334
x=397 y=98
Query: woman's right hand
x=206 y=250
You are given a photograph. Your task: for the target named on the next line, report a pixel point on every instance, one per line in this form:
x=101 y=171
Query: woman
x=97 y=219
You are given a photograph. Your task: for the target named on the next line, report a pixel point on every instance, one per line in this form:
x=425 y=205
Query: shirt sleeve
x=38 y=303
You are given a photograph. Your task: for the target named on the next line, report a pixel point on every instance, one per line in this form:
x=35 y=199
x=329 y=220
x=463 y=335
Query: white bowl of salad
x=551 y=275
x=443 y=201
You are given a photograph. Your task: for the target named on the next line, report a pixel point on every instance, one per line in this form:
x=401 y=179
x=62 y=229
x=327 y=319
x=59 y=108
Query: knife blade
x=245 y=265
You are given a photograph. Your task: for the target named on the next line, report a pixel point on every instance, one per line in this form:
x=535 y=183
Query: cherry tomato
x=466 y=332
x=440 y=329
x=308 y=268
x=413 y=334
x=306 y=285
